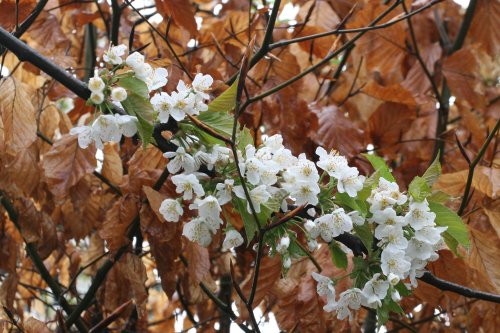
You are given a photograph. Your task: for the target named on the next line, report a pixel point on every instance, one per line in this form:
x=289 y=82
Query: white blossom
x=84 y=135
x=348 y=300
x=97 y=98
x=135 y=60
x=334 y=224
x=127 y=124
x=113 y=55
x=180 y=159
x=158 y=79
x=391 y=236
x=233 y=239
x=118 y=94
x=187 y=184
x=96 y=84
x=208 y=207
x=394 y=261
x=258 y=196
x=430 y=235
x=224 y=191
x=304 y=193
x=201 y=84
x=106 y=129
x=283 y=244
x=325 y=284
x=419 y=215
x=419 y=250
x=197 y=231
x=349 y=181
x=332 y=163
x=171 y=210
x=375 y=291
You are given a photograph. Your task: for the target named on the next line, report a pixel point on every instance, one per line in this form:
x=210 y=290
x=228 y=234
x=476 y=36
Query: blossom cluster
x=107 y=92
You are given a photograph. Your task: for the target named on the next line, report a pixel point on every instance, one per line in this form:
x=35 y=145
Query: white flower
x=197 y=231
x=224 y=191
x=349 y=299
x=311 y=212
x=65 y=104
x=304 y=193
x=312 y=244
x=84 y=135
x=393 y=279
x=380 y=201
x=208 y=207
x=187 y=184
x=430 y=235
x=304 y=170
x=392 y=190
x=312 y=228
x=284 y=158
x=394 y=261
x=391 y=236
x=158 y=79
x=334 y=224
x=97 y=98
x=282 y=246
x=325 y=285
x=275 y=142
x=105 y=128
x=350 y=181
x=127 y=124
x=233 y=239
x=416 y=270
x=420 y=215
x=419 y=250
x=96 y=84
x=201 y=84
x=220 y=155
x=375 y=291
x=180 y=160
x=396 y=297
x=135 y=60
x=356 y=218
x=258 y=196
x=181 y=104
x=114 y=54
x=171 y=210
x=118 y=94
x=144 y=72
x=332 y=163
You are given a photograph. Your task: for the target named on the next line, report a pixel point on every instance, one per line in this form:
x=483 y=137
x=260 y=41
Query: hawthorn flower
x=430 y=235
x=258 y=196
x=233 y=239
x=187 y=184
x=171 y=210
x=394 y=261
x=282 y=246
x=106 y=128
x=208 y=207
x=201 y=84
x=325 y=285
x=113 y=55
x=420 y=215
x=332 y=163
x=84 y=135
x=224 y=191
x=97 y=98
x=118 y=94
x=349 y=181
x=65 y=104
x=135 y=60
x=375 y=291
x=96 y=84
x=180 y=160
x=197 y=231
x=127 y=124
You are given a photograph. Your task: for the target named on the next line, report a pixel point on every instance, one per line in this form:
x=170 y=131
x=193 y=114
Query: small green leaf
x=365 y=234
x=140 y=107
x=135 y=86
x=401 y=288
x=244 y=139
x=452 y=243
x=339 y=257
x=419 y=189
x=226 y=101
x=248 y=221
x=439 y=197
x=433 y=172
x=445 y=217
x=379 y=165
x=220 y=121
x=382 y=316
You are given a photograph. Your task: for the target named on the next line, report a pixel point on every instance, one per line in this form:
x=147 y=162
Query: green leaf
x=445 y=217
x=382 y=316
x=226 y=101
x=220 y=121
x=135 y=86
x=401 y=288
x=140 y=107
x=365 y=234
x=244 y=139
x=339 y=257
x=452 y=243
x=248 y=220
x=419 y=189
x=439 y=197
x=379 y=165
x=433 y=172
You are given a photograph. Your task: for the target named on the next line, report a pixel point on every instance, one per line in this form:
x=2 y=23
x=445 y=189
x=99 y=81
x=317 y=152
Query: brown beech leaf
x=66 y=164
x=494 y=216
x=392 y=93
x=181 y=11
x=337 y=131
x=484 y=255
x=486 y=180
x=112 y=167
x=117 y=221
x=387 y=125
x=7 y=17
x=30 y=220
x=460 y=70
x=32 y=325
x=198 y=261
x=484 y=27
x=22 y=171
x=8 y=291
x=18 y=115
x=155 y=199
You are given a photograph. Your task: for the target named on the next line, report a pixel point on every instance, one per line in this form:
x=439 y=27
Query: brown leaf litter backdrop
x=423 y=80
